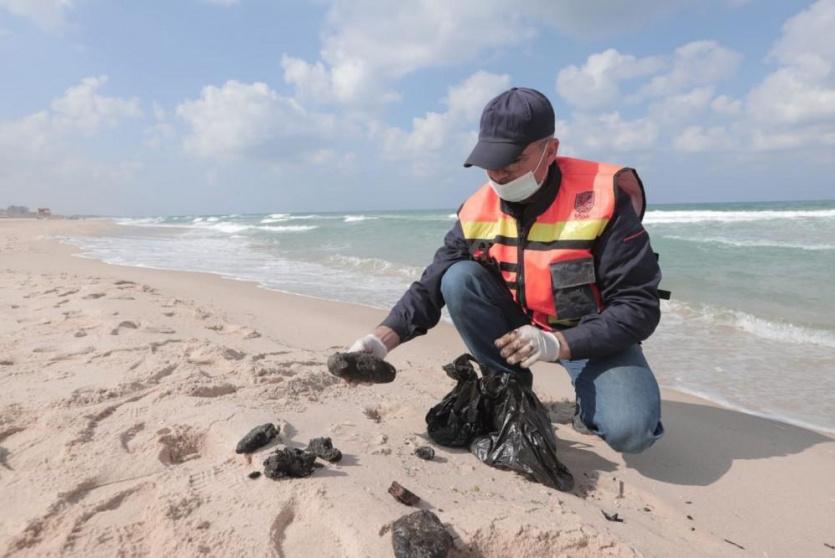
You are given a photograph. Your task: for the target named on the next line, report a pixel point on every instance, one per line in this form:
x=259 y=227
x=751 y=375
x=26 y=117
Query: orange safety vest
x=549 y=268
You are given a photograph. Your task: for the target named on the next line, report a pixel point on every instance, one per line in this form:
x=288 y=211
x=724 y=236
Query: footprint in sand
x=76 y=523
x=71 y=354
x=228 y=474
x=209 y=391
x=162 y=373
x=4 y=453
x=179 y=444
x=128 y=435
x=93 y=420
x=126 y=324
x=98 y=531
x=299 y=527
x=150 y=290
x=4 y=458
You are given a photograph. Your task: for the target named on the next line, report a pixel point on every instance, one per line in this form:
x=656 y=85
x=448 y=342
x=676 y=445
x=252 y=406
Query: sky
x=182 y=107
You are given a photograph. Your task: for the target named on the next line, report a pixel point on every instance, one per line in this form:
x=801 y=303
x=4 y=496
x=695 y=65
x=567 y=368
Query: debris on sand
x=425 y=452
x=323 y=448
x=420 y=534
x=402 y=495
x=254 y=474
x=612 y=517
x=257 y=438
x=361 y=368
x=289 y=462
x=735 y=544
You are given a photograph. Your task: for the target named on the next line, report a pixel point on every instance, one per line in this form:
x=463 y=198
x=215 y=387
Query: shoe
x=578 y=424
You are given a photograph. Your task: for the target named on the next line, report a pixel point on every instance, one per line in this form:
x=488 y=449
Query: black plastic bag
x=502 y=420
x=459 y=417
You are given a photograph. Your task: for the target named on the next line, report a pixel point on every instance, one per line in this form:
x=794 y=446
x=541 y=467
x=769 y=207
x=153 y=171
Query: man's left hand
x=528 y=344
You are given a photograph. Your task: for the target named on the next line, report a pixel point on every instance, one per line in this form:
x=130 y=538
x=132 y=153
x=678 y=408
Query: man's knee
x=459 y=280
x=632 y=434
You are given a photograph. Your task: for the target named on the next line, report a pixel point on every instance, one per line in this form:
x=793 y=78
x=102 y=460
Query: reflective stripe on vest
x=555 y=283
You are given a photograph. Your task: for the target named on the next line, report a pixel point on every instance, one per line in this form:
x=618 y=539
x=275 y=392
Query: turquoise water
x=751 y=323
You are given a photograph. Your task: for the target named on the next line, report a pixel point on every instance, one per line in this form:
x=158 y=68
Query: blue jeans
x=617 y=396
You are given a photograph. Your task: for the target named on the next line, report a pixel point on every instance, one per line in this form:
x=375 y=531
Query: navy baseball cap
x=509 y=123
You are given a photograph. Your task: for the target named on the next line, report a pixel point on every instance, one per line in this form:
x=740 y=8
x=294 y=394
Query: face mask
x=520 y=188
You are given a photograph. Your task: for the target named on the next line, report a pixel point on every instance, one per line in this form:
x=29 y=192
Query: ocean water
x=751 y=323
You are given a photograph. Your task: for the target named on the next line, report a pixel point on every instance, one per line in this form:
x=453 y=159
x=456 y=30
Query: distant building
x=44 y=213
x=18 y=211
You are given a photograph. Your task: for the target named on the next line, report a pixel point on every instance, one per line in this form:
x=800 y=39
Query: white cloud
x=598 y=19
x=350 y=82
x=682 y=107
x=725 y=105
x=368 y=44
x=610 y=132
x=48 y=14
x=662 y=94
x=695 y=63
x=250 y=120
x=794 y=106
x=802 y=90
x=813 y=135
x=161 y=130
x=799 y=93
x=467 y=99
x=596 y=83
x=808 y=33
x=41 y=158
x=83 y=109
x=448 y=132
x=699 y=138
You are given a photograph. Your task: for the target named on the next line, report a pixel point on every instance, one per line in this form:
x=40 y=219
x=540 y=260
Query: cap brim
x=493 y=155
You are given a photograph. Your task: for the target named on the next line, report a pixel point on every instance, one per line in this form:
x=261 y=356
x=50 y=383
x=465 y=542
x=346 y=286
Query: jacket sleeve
x=628 y=276
x=419 y=309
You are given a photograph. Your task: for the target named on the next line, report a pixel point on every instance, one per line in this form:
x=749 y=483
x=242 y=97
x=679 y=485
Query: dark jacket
x=626 y=269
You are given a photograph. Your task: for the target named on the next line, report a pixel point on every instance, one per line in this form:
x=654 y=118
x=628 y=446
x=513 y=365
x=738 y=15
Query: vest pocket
x=571 y=283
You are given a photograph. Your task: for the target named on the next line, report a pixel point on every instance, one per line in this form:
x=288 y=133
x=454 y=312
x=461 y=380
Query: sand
x=123 y=392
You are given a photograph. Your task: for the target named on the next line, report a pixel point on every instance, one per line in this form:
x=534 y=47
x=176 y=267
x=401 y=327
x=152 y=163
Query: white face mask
x=520 y=188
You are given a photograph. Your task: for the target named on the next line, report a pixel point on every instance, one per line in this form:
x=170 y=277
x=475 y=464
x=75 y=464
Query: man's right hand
x=369 y=344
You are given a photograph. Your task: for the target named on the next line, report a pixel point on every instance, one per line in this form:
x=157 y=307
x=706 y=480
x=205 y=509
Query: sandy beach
x=123 y=392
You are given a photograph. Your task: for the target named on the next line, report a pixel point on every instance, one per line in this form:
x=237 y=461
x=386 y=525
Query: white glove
x=369 y=344
x=529 y=344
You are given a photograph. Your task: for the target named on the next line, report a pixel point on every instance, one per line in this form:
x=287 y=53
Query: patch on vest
x=583 y=202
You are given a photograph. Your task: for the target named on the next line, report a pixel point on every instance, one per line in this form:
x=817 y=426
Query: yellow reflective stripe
x=585 y=229
x=581 y=229
x=489 y=229
x=572 y=322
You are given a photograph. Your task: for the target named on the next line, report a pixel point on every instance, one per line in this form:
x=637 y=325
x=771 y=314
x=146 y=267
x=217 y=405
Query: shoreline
x=81 y=473
x=700 y=395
